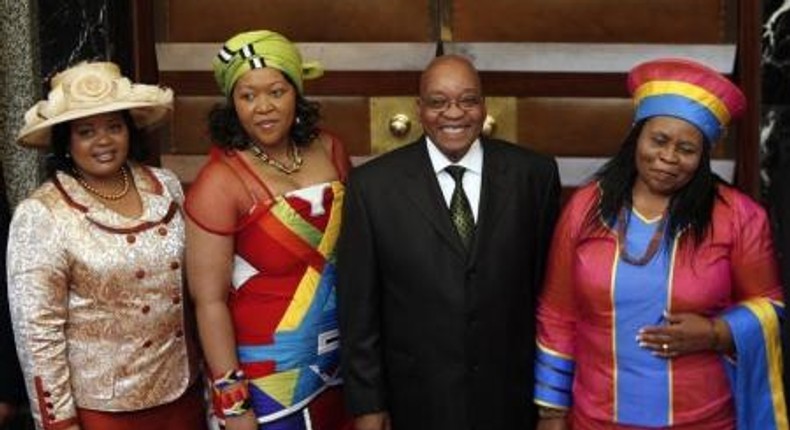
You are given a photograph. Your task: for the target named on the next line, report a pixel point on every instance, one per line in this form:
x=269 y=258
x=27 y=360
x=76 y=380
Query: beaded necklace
x=117 y=196
x=652 y=247
x=295 y=166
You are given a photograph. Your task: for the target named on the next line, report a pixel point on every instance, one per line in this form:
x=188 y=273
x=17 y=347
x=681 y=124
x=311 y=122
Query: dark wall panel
x=301 y=20
x=589 y=21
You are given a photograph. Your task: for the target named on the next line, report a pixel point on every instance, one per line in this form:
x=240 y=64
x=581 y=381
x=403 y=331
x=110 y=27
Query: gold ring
x=665 y=347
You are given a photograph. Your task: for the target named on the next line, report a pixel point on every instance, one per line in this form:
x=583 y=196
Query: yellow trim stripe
x=555 y=353
x=670 y=287
x=769 y=323
x=685 y=89
x=302 y=299
x=550 y=405
x=614 y=327
x=644 y=218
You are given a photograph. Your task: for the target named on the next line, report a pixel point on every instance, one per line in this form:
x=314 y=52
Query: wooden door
x=554 y=70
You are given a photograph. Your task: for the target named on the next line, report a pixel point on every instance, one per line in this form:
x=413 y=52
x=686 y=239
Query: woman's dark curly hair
x=227 y=132
x=59 y=158
x=690 y=207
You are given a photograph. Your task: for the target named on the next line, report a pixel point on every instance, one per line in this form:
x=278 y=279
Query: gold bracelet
x=545 y=412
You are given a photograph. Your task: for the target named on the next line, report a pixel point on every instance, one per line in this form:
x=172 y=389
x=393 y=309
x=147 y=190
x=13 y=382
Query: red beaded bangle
x=234 y=401
x=232 y=393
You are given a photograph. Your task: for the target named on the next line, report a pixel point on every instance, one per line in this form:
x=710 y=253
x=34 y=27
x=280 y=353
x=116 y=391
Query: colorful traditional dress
x=594 y=304
x=283 y=296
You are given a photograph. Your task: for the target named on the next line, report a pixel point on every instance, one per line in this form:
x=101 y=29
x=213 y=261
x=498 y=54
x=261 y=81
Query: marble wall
x=77 y=30
x=775 y=140
x=775 y=131
x=42 y=37
x=18 y=91
x=776 y=89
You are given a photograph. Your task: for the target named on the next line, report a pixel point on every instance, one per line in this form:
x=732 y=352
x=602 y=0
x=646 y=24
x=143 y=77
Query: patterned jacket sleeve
x=38 y=296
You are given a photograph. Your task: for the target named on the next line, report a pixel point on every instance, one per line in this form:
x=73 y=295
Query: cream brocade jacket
x=97 y=299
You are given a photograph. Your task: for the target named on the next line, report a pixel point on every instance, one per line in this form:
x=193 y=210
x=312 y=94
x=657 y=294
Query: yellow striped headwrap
x=687 y=90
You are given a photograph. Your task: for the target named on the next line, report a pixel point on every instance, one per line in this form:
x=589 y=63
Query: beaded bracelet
x=228 y=378
x=234 y=401
x=232 y=393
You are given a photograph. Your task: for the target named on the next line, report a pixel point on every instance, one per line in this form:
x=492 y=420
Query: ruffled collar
x=157 y=203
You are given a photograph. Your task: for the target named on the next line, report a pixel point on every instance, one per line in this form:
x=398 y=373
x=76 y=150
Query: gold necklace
x=295 y=166
x=117 y=196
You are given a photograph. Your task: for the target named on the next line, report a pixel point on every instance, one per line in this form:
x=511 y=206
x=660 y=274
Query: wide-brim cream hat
x=92 y=88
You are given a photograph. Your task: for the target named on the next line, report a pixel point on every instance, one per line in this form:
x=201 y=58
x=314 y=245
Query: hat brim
x=146 y=115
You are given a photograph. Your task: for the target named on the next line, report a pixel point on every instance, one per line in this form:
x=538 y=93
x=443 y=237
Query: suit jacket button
x=147 y=344
x=175 y=265
x=130 y=239
x=140 y=274
x=162 y=231
x=146 y=309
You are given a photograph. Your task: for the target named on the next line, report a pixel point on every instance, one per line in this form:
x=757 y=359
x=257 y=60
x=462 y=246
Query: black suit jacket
x=442 y=338
x=12 y=387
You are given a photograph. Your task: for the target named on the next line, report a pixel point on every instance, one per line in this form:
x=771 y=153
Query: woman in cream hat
x=95 y=264
x=263 y=217
x=662 y=299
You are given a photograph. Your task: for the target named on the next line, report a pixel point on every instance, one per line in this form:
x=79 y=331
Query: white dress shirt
x=472 y=161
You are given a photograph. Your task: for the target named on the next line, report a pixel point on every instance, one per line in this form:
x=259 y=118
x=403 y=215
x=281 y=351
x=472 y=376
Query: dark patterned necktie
x=460 y=210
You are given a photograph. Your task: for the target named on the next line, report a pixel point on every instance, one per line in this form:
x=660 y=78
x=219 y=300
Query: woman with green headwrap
x=263 y=216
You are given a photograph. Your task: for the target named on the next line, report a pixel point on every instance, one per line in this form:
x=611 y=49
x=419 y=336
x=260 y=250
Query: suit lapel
x=421 y=188
x=493 y=193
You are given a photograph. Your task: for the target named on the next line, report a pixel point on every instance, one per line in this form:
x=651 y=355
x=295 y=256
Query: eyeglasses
x=441 y=104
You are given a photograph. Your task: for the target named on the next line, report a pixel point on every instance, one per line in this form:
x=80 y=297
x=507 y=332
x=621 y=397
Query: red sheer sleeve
x=218 y=198
x=339 y=157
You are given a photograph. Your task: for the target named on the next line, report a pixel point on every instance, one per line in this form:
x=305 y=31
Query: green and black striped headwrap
x=258 y=49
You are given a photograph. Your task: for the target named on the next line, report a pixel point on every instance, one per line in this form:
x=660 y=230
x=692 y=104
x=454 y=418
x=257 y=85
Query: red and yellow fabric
x=581 y=363
x=688 y=90
x=282 y=300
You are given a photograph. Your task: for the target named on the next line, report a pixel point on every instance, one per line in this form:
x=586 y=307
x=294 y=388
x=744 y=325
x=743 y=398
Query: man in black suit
x=436 y=303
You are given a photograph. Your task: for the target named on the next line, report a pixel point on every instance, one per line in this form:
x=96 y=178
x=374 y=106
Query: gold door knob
x=489 y=125
x=399 y=125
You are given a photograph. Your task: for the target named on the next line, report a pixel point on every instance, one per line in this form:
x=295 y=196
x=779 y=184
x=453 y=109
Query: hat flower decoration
x=91 y=88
